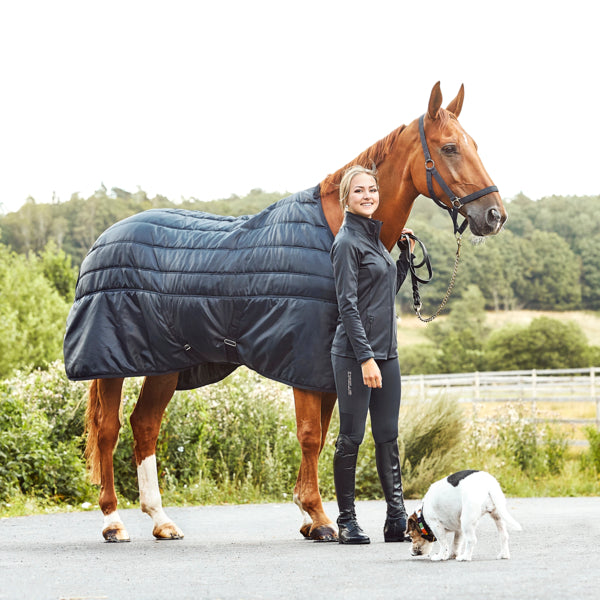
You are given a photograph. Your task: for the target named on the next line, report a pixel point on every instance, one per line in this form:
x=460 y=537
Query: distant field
x=411 y=330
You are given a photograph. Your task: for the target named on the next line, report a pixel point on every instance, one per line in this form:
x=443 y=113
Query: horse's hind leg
x=313 y=415
x=103 y=424
x=145 y=421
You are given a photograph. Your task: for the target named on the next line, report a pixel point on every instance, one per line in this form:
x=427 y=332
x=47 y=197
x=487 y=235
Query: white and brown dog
x=455 y=504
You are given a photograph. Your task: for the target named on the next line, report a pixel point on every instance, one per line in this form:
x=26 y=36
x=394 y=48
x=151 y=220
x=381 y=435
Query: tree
x=589 y=251
x=58 y=269
x=550 y=273
x=32 y=314
x=544 y=344
x=459 y=339
x=494 y=267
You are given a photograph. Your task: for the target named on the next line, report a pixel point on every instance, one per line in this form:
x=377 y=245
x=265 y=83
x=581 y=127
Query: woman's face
x=363 y=198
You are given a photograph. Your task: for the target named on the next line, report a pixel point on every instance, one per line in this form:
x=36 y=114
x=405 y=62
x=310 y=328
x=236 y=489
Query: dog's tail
x=499 y=501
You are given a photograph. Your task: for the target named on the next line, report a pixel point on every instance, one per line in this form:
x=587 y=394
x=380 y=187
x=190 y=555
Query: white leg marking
x=305 y=516
x=150 y=500
x=111 y=519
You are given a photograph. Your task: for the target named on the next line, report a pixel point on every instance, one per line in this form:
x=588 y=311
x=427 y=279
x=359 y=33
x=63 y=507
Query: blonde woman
x=364 y=353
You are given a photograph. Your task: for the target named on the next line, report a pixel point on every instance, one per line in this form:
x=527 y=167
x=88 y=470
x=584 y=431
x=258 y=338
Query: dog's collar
x=424 y=528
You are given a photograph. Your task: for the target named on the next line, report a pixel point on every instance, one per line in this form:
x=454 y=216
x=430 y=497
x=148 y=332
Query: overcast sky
x=211 y=98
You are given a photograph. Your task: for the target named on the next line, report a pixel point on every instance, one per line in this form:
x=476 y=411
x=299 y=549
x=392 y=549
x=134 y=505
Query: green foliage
x=32 y=314
x=41 y=429
x=589 y=250
x=238 y=434
x=236 y=442
x=431 y=434
x=517 y=437
x=592 y=456
x=549 y=274
x=75 y=225
x=544 y=344
x=545 y=258
x=58 y=269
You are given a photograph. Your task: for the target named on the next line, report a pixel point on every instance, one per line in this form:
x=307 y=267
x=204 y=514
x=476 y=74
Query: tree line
x=547 y=258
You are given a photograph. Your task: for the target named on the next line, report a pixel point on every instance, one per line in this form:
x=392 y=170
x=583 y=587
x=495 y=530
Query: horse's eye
x=450 y=149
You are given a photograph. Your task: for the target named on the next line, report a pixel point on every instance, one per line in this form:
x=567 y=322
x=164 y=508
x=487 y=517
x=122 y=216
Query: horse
x=432 y=156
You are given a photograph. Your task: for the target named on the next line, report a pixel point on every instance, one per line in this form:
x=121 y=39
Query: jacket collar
x=371 y=227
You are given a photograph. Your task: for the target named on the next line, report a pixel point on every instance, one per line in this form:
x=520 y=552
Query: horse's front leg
x=145 y=421
x=313 y=415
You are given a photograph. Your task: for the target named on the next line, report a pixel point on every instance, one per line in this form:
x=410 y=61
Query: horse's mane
x=373 y=155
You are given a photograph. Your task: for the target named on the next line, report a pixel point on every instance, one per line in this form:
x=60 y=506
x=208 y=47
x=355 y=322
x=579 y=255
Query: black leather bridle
x=456 y=202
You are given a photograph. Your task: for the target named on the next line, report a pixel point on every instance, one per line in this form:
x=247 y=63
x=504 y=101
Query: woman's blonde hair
x=347 y=177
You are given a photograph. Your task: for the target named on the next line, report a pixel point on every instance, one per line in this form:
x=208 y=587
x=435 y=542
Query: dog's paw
x=437 y=557
x=463 y=558
x=504 y=556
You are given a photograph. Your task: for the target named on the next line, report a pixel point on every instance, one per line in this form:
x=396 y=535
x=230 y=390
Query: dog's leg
x=469 y=518
x=456 y=545
x=503 y=533
x=441 y=534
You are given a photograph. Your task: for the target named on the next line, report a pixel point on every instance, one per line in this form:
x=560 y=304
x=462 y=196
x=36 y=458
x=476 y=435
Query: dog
x=455 y=504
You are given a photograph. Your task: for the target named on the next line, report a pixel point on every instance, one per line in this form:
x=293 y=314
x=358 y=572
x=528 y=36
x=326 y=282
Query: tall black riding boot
x=344 y=477
x=390 y=475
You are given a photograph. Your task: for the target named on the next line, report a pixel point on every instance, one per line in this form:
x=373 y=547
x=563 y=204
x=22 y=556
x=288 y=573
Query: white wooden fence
x=555 y=386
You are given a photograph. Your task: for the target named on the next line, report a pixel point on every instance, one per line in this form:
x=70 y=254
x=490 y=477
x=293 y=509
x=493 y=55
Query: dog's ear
x=412 y=523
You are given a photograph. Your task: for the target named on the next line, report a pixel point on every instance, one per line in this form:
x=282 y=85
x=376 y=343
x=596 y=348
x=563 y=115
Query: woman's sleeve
x=345 y=258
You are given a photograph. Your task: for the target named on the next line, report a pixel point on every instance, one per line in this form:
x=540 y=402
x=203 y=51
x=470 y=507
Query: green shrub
x=592 y=456
x=41 y=442
x=517 y=436
x=237 y=434
x=233 y=441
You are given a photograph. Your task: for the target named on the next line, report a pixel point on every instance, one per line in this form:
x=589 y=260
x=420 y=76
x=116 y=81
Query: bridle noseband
x=456 y=202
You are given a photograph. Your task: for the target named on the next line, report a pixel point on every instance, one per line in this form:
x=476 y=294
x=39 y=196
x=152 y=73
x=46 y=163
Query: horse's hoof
x=305 y=530
x=168 y=531
x=115 y=534
x=324 y=533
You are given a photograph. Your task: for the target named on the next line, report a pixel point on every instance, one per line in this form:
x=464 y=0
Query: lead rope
x=415 y=285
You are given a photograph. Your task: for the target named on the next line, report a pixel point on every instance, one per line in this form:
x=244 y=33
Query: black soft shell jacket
x=366 y=283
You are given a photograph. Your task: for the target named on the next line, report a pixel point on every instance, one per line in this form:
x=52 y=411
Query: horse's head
x=449 y=170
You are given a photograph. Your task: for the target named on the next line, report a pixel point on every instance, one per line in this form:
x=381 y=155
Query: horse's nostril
x=493 y=216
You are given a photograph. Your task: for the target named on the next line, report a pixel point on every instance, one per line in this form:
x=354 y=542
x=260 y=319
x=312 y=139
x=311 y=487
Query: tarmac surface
x=256 y=552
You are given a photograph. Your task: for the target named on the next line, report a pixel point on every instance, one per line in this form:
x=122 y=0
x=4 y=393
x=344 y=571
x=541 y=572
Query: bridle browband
x=456 y=202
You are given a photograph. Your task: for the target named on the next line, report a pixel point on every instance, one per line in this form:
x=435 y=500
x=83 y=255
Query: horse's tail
x=92 y=416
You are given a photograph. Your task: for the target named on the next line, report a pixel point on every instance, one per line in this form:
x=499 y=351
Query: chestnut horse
x=404 y=172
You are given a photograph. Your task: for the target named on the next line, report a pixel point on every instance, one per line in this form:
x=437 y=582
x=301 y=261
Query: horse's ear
x=435 y=101
x=456 y=105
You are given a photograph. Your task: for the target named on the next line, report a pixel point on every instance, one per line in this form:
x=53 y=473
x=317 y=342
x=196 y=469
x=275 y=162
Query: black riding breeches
x=355 y=399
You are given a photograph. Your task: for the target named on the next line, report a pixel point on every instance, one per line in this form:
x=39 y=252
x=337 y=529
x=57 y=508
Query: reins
x=415 y=279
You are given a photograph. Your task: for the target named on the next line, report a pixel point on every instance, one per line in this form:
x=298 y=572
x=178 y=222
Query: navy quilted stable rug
x=177 y=290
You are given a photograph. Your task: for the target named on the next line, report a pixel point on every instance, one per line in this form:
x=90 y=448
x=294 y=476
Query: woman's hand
x=412 y=242
x=371 y=374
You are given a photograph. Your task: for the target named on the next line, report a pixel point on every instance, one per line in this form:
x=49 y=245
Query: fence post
x=533 y=392
x=477 y=395
x=593 y=394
